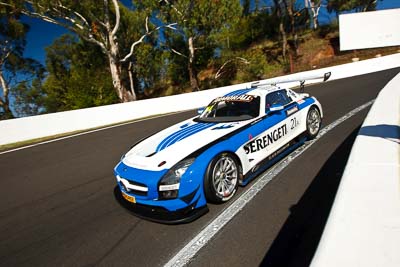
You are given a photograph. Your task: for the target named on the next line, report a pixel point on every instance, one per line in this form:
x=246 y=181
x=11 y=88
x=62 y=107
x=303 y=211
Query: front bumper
x=159 y=214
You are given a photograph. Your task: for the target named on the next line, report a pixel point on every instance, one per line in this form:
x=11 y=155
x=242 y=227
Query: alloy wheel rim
x=314 y=121
x=225 y=176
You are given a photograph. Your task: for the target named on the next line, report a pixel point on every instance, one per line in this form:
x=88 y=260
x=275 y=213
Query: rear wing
x=323 y=77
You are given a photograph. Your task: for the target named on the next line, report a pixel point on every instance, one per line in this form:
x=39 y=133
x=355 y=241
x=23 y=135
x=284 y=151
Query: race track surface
x=57 y=204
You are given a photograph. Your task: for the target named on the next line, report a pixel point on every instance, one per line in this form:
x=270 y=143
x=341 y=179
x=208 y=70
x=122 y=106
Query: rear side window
x=277 y=98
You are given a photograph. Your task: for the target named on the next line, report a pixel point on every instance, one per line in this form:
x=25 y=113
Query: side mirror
x=200 y=110
x=275 y=108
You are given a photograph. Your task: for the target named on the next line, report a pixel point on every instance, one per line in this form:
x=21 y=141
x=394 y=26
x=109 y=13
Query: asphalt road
x=57 y=205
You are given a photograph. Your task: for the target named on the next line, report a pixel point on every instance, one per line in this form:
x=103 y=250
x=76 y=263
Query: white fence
x=28 y=128
x=363 y=228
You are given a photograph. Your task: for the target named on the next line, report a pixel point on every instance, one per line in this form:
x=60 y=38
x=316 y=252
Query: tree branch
x=174 y=7
x=75 y=13
x=148 y=33
x=117 y=17
x=220 y=72
x=178 y=53
x=6 y=4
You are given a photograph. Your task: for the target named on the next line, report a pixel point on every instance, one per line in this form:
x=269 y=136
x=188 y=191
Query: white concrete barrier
x=363 y=228
x=28 y=128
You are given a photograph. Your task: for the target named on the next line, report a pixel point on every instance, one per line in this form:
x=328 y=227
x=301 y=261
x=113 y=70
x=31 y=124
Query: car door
x=279 y=126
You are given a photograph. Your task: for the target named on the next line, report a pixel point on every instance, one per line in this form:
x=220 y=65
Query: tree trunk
x=281 y=28
x=131 y=81
x=284 y=38
x=8 y=114
x=315 y=22
x=315 y=12
x=290 y=10
x=5 y=104
x=194 y=82
x=123 y=93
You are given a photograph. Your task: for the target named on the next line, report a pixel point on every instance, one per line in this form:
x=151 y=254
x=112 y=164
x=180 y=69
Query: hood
x=168 y=147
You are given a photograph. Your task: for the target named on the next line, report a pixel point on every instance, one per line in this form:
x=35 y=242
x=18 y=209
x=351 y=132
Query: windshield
x=231 y=108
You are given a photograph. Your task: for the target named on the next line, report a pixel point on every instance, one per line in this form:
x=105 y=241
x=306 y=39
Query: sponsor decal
x=241 y=98
x=301 y=101
x=276 y=153
x=263 y=142
x=292 y=110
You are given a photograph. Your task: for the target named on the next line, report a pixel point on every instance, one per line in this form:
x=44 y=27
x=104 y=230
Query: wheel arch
x=318 y=107
x=206 y=178
x=237 y=158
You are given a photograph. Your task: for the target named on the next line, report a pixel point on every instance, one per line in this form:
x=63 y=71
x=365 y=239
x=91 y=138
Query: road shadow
x=385 y=131
x=298 y=239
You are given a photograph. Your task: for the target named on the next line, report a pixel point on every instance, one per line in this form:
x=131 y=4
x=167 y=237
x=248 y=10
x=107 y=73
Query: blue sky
x=42 y=34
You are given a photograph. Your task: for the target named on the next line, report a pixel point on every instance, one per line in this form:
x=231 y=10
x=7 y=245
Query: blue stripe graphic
x=182 y=134
x=178 y=135
x=168 y=138
x=239 y=92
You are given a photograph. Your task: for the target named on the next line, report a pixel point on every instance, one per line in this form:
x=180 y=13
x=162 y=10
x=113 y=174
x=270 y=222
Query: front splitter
x=160 y=214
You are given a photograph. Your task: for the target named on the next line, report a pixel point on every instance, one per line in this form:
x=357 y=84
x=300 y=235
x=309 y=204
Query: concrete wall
x=363 y=228
x=22 y=129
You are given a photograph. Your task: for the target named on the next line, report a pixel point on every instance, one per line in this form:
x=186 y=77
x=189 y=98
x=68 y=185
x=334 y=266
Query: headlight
x=169 y=185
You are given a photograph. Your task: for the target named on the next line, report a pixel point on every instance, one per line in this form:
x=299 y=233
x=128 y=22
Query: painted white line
x=88 y=132
x=187 y=253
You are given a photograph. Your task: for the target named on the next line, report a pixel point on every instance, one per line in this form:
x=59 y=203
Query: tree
x=14 y=68
x=314 y=6
x=198 y=24
x=144 y=60
x=93 y=21
x=289 y=5
x=246 y=7
x=29 y=98
x=77 y=76
x=280 y=13
x=345 y=5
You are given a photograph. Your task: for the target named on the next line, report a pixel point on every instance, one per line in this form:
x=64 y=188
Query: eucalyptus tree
x=314 y=6
x=14 y=67
x=280 y=12
x=97 y=22
x=358 y=5
x=199 y=22
x=70 y=62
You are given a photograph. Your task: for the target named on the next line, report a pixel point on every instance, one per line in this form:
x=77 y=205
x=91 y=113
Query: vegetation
x=119 y=51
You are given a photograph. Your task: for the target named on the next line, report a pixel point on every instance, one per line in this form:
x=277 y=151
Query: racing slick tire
x=222 y=178
x=313 y=122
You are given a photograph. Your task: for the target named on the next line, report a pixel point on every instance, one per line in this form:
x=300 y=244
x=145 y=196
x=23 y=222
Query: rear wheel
x=313 y=123
x=222 y=178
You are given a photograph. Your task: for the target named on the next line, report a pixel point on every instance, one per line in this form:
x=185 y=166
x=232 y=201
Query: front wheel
x=313 y=123
x=222 y=178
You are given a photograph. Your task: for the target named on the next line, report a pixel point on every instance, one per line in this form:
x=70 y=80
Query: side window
x=277 y=98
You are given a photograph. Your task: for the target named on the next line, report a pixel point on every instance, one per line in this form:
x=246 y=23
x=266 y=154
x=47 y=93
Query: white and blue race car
x=170 y=176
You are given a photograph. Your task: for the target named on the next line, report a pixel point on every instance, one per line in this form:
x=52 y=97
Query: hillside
x=315 y=50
